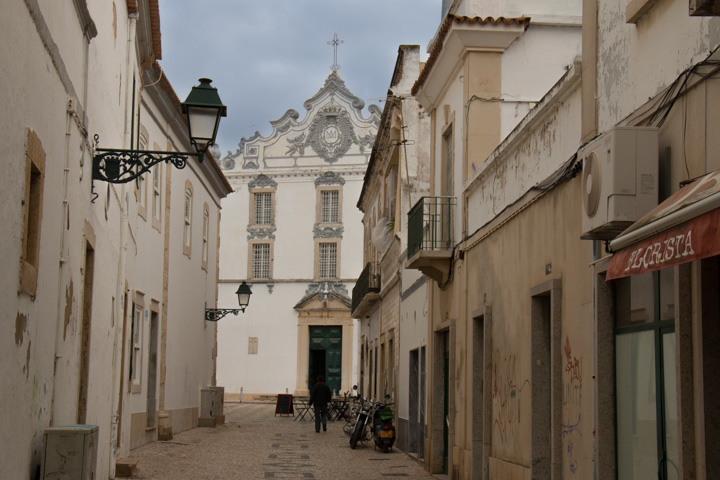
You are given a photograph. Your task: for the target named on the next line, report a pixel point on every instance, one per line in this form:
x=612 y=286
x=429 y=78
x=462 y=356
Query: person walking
x=320 y=397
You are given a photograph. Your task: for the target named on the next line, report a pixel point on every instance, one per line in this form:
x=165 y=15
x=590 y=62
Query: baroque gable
x=334 y=133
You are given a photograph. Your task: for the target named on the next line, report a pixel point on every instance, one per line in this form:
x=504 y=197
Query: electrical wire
x=570 y=169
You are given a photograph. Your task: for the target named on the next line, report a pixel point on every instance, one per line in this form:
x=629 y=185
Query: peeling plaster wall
x=637 y=61
x=48 y=61
x=515 y=170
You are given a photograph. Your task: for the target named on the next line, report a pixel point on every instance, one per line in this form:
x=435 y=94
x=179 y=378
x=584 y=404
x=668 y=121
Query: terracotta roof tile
x=445 y=29
x=155 y=26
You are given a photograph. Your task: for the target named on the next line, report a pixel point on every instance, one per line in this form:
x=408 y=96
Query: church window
x=261 y=261
x=327 y=260
x=263 y=208
x=329 y=202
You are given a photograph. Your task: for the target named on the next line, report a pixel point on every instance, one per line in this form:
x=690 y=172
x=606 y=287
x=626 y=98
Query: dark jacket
x=320 y=395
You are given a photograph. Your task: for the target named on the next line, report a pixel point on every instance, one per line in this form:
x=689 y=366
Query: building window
x=206 y=235
x=157 y=191
x=136 y=328
x=448 y=160
x=327 y=261
x=261 y=261
x=391 y=180
x=329 y=206
x=34 y=186
x=140 y=183
x=646 y=398
x=263 y=208
x=187 y=218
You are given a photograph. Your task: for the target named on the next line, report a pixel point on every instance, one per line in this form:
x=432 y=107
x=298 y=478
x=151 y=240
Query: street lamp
x=203 y=109
x=243 y=293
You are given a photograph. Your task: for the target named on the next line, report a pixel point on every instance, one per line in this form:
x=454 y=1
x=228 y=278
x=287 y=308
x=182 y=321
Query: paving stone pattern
x=256 y=444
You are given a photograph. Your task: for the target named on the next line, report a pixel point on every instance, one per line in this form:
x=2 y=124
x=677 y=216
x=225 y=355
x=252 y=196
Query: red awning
x=683 y=228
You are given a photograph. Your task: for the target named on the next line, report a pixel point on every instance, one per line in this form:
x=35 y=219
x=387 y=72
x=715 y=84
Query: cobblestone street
x=255 y=444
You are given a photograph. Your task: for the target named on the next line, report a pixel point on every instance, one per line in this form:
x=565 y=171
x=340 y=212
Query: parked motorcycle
x=372 y=419
x=384 y=430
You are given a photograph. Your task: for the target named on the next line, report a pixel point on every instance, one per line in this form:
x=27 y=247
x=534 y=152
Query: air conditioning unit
x=620 y=180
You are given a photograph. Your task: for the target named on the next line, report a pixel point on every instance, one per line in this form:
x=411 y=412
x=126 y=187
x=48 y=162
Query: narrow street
x=255 y=444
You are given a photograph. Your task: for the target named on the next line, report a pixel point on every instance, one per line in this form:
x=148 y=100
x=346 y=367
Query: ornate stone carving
x=331 y=133
x=326 y=290
x=329 y=178
x=297 y=144
x=327 y=232
x=228 y=163
x=244 y=141
x=262 y=181
x=261 y=232
x=336 y=84
x=366 y=141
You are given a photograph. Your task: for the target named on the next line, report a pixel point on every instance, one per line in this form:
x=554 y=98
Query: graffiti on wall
x=572 y=380
x=506 y=390
x=572 y=396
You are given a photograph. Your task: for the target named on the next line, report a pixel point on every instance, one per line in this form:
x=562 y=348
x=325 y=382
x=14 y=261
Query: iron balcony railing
x=368 y=282
x=430 y=224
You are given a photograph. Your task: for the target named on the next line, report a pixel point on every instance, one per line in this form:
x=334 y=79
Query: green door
x=325 y=356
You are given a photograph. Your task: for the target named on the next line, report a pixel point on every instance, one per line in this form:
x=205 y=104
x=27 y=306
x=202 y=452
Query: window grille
x=329 y=202
x=263 y=208
x=261 y=260
x=328 y=260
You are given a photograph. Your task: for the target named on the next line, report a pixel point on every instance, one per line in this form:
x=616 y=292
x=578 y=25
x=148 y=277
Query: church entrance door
x=325 y=356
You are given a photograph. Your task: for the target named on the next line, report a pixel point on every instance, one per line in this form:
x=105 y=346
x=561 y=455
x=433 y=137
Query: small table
x=336 y=408
x=304 y=409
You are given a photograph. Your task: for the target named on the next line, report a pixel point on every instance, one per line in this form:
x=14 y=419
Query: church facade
x=292 y=231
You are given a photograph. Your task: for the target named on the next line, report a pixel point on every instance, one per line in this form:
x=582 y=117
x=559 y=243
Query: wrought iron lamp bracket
x=215 y=314
x=123 y=166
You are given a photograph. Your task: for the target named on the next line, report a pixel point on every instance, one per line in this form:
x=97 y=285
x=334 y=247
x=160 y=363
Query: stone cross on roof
x=335 y=42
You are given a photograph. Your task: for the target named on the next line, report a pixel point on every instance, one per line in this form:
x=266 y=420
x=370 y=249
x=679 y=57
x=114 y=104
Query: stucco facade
x=104 y=305
x=498 y=243
x=653 y=68
x=388 y=301
x=563 y=345
x=291 y=230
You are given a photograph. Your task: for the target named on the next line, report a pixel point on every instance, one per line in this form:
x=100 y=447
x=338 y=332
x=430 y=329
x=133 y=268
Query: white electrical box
x=620 y=180
x=70 y=453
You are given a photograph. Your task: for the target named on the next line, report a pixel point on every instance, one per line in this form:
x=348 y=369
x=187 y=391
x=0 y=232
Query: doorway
x=152 y=371
x=317 y=366
x=325 y=356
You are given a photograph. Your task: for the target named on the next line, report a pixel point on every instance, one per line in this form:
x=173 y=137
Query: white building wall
x=532 y=65
x=273 y=316
x=47 y=61
x=623 y=86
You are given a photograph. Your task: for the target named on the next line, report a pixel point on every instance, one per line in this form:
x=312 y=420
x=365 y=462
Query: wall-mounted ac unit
x=620 y=180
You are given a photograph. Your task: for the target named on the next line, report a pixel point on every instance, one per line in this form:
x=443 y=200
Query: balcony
x=366 y=292
x=430 y=236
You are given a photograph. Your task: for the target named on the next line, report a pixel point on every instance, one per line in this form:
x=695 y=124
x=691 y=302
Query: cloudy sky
x=266 y=56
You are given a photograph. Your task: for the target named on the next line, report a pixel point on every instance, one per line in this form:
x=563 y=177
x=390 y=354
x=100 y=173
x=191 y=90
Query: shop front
x=663 y=281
